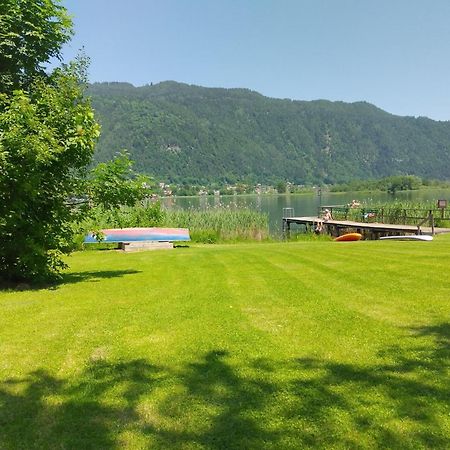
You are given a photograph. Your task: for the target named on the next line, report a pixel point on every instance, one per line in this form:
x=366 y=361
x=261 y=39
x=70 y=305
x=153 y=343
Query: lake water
x=303 y=204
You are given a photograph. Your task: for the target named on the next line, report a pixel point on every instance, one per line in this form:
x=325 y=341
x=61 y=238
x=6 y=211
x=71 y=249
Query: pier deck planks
x=373 y=226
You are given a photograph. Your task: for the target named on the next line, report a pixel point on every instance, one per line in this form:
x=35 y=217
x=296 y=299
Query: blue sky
x=392 y=53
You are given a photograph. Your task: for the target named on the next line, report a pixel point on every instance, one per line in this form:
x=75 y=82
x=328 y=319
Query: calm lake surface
x=303 y=204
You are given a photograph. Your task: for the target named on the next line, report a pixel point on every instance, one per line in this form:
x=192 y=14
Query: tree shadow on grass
x=401 y=403
x=42 y=411
x=67 y=278
x=222 y=403
x=225 y=401
x=95 y=275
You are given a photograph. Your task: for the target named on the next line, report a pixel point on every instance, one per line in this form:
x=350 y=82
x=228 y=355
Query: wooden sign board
x=442 y=204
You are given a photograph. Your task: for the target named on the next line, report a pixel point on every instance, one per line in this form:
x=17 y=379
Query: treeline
x=387 y=184
x=186 y=189
x=390 y=184
x=176 y=132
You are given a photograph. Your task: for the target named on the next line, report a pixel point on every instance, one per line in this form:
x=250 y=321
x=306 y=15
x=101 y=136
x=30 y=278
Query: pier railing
x=399 y=216
x=430 y=220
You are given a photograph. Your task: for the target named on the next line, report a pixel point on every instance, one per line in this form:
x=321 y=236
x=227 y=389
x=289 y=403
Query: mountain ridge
x=177 y=131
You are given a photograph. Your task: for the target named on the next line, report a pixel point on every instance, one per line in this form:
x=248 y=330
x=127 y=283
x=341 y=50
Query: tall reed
x=209 y=225
x=220 y=224
x=140 y=215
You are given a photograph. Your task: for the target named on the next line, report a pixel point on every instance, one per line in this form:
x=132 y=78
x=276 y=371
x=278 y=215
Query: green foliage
x=31 y=33
x=281 y=187
x=177 y=132
x=47 y=139
x=220 y=224
x=205 y=236
x=403 y=183
x=389 y=184
x=115 y=183
x=145 y=214
x=296 y=235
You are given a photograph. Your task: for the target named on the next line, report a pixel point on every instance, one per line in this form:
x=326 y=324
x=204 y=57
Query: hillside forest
x=183 y=133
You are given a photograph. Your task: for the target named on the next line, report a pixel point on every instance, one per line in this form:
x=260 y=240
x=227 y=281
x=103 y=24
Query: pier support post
x=286 y=229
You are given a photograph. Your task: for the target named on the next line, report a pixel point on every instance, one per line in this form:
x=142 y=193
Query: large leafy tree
x=31 y=33
x=47 y=138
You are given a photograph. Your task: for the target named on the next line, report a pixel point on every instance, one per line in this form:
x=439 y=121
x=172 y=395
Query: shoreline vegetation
x=210 y=225
x=228 y=224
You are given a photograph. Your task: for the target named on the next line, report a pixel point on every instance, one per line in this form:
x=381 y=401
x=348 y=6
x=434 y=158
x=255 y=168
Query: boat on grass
x=349 y=237
x=139 y=234
x=409 y=237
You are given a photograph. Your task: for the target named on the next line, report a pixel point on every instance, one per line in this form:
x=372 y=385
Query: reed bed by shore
x=208 y=225
x=220 y=224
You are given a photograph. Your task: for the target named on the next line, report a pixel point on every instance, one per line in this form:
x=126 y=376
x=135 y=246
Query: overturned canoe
x=140 y=234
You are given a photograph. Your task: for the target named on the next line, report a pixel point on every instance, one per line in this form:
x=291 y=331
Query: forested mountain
x=180 y=132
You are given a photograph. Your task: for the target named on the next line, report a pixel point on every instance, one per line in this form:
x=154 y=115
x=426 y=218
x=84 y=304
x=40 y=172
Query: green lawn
x=284 y=345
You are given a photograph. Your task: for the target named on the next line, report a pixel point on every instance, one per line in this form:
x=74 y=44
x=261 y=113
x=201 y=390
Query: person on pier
x=327 y=215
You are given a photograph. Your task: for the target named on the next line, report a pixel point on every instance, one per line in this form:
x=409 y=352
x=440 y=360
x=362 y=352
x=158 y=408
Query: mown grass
x=266 y=345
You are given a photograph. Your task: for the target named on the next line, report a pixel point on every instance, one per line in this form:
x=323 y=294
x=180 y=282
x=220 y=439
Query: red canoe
x=349 y=237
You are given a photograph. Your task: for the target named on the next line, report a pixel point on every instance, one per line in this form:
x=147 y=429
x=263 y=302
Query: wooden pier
x=372 y=230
